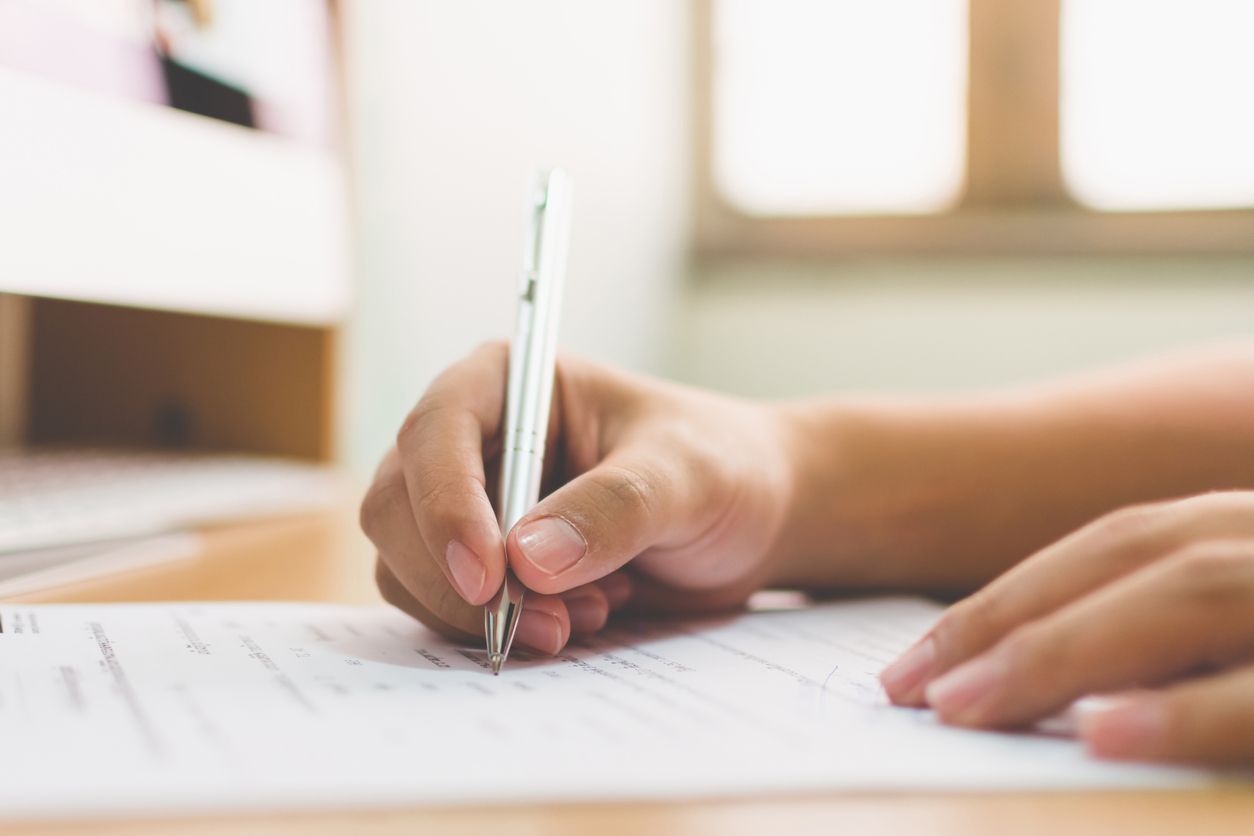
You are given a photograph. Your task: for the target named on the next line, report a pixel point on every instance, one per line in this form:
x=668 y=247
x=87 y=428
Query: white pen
x=529 y=391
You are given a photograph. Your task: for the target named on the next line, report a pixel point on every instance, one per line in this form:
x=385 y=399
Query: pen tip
x=495 y=660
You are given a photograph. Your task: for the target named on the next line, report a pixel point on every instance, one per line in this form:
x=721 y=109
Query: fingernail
x=551 y=544
x=958 y=694
x=539 y=630
x=467 y=570
x=904 y=675
x=1124 y=729
x=588 y=611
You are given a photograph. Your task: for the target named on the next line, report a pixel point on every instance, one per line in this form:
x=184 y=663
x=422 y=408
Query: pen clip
x=531 y=260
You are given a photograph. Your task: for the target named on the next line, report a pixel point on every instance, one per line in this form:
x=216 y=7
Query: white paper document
x=159 y=708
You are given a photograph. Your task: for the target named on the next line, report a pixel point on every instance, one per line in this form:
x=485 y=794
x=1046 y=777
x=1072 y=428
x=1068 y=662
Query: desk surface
x=324 y=558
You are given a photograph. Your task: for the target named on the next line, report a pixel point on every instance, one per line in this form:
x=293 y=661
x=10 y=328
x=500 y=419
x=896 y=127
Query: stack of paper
x=68 y=514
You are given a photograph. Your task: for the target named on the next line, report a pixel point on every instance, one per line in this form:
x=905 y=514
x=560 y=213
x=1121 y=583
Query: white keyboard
x=61 y=497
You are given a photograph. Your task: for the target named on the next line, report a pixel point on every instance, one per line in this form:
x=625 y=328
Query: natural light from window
x=830 y=107
x=1158 y=103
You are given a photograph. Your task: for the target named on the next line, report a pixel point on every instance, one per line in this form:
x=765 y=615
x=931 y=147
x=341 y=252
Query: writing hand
x=662 y=495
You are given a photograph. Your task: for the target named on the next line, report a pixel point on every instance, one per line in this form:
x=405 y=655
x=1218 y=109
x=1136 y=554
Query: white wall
x=779 y=330
x=452 y=104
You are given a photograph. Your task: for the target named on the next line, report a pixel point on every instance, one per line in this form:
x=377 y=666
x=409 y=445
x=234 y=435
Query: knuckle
x=452 y=395
x=1131 y=522
x=1204 y=510
x=626 y=490
x=968 y=625
x=444 y=491
x=386 y=497
x=1036 y=648
x=492 y=349
x=1215 y=574
x=711 y=469
x=428 y=411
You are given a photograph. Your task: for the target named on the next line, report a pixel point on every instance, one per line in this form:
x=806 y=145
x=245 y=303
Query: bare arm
x=943 y=495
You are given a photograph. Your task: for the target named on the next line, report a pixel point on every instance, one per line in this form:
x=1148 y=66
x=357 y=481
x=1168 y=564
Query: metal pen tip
x=495 y=660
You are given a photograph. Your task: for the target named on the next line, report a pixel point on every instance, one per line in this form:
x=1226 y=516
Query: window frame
x=1014 y=200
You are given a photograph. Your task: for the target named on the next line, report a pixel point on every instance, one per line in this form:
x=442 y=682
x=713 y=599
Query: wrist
x=883 y=491
x=821 y=522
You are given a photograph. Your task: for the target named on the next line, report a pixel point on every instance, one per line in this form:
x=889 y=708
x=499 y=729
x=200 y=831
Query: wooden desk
x=324 y=558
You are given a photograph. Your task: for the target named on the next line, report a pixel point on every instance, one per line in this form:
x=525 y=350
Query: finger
x=1209 y=721
x=387 y=519
x=441 y=448
x=593 y=525
x=653 y=597
x=1093 y=556
x=411 y=580
x=618 y=589
x=540 y=625
x=588 y=606
x=395 y=593
x=1192 y=608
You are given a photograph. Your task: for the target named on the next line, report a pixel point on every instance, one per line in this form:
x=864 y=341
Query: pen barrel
x=533 y=354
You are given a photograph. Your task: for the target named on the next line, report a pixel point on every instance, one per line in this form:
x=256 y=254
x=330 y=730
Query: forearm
x=936 y=494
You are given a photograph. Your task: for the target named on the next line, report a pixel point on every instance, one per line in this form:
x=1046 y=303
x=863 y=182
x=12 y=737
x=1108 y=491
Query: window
x=1158 y=103
x=840 y=106
x=836 y=127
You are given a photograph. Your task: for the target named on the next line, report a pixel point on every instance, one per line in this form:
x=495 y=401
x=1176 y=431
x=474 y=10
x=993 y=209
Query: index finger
x=441 y=448
x=1092 y=557
x=1192 y=609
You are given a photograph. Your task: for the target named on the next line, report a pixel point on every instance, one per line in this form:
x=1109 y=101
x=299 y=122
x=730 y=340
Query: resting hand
x=1154 y=603
x=687 y=488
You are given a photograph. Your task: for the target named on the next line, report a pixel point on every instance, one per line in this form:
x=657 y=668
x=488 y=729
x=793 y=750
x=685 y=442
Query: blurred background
x=772 y=199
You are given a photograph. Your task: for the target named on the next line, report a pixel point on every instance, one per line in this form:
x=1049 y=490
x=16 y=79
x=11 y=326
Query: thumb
x=597 y=522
